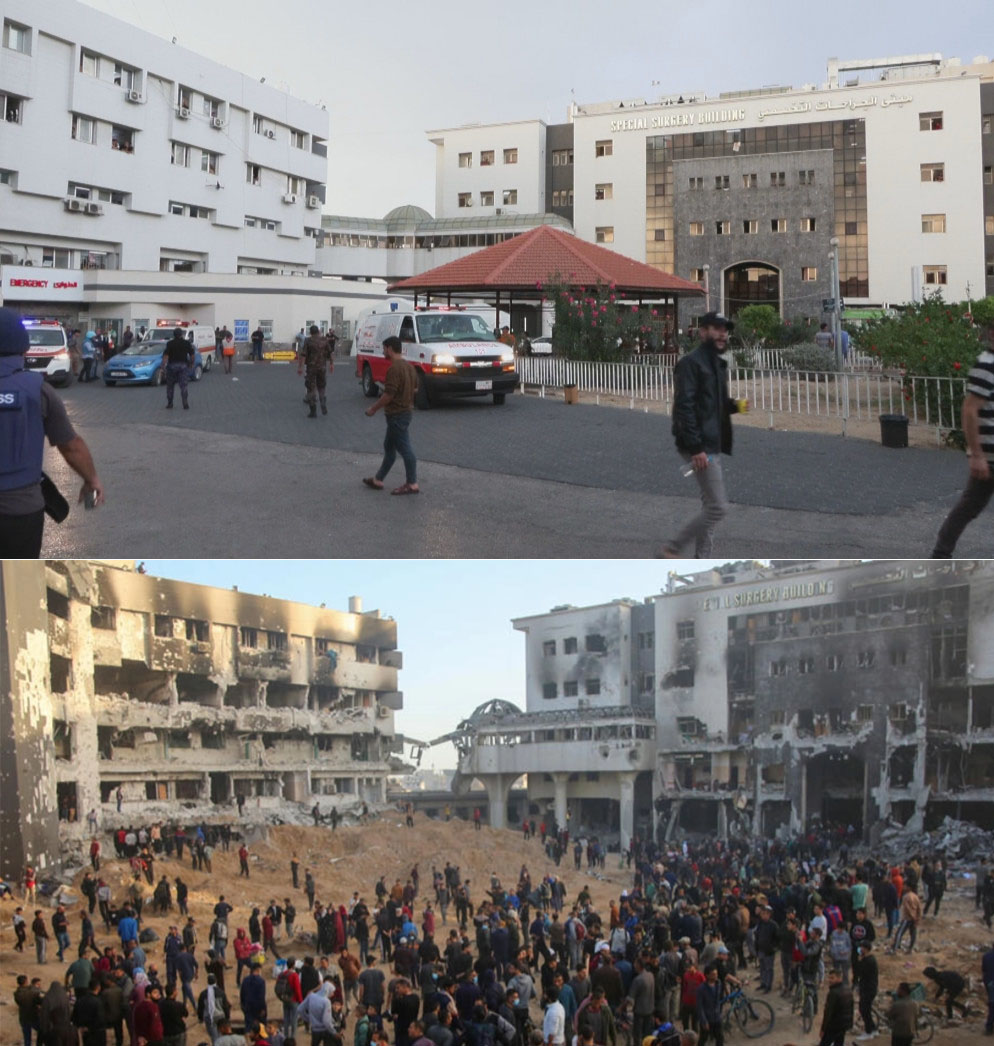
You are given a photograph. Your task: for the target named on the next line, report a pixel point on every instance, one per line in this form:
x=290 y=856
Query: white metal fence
x=845 y=395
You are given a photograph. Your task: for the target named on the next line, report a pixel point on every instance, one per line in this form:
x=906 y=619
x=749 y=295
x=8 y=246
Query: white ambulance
x=454 y=351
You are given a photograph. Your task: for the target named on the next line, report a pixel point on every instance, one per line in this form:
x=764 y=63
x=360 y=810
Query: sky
x=453 y=617
x=391 y=70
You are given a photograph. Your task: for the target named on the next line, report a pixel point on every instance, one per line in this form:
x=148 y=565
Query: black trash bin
x=894 y=430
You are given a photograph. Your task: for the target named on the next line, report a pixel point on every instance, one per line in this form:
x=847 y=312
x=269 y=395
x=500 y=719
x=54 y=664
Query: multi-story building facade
x=746 y=191
x=754 y=698
x=185 y=698
x=141 y=181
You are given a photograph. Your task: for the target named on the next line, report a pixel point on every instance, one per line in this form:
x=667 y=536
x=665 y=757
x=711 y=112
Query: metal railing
x=928 y=401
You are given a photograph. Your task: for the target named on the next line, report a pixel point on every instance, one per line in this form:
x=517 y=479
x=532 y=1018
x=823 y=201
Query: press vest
x=22 y=431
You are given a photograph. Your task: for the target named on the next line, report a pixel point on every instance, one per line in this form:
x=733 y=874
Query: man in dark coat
x=702 y=429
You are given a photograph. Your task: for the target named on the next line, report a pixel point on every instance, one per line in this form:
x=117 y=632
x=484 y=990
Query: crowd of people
x=533 y=963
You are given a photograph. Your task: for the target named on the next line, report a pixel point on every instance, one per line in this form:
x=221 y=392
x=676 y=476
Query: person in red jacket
x=243 y=868
x=243 y=952
x=269 y=935
x=691 y=981
x=148 y=1019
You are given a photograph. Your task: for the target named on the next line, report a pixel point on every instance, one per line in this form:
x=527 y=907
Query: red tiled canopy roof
x=538 y=256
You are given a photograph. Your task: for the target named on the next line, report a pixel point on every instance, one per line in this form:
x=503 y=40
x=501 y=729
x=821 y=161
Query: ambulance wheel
x=422 y=399
x=368 y=385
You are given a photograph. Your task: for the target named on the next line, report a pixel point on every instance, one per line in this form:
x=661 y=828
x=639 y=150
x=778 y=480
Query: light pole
x=837 y=329
x=836 y=310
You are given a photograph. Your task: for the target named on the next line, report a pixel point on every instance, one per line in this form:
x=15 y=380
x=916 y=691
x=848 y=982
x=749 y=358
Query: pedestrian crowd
x=530 y=964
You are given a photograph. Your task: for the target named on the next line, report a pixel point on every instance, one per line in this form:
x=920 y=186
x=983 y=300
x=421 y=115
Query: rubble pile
x=953 y=840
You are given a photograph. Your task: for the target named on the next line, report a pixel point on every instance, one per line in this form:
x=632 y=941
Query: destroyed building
x=754 y=698
x=185 y=698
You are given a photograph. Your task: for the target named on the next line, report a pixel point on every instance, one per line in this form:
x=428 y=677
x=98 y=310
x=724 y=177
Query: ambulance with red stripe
x=454 y=351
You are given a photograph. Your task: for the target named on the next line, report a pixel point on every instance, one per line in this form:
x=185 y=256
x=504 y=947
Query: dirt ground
x=353 y=858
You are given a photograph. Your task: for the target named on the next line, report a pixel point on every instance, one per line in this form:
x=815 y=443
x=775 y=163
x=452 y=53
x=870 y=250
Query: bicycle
x=924 y=1030
x=805 y=1001
x=753 y=1016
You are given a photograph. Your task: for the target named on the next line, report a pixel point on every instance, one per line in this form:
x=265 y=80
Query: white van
x=201 y=336
x=454 y=351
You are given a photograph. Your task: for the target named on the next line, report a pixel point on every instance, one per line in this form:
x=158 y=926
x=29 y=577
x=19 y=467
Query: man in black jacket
x=177 y=359
x=702 y=429
x=838 y=1016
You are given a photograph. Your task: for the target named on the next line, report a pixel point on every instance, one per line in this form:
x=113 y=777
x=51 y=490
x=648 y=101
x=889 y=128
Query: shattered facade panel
x=184 y=695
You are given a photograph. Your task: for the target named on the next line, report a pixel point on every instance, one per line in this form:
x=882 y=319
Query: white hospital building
x=744 y=191
x=140 y=181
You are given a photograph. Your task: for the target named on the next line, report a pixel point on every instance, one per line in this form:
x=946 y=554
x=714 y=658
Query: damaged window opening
x=103 y=617
x=321 y=645
x=57 y=603
x=549 y=691
x=571 y=688
x=647 y=683
x=276 y=641
x=592 y=687
x=596 y=644
x=248 y=637
x=59 y=670
x=213 y=739
x=898 y=656
x=365 y=655
x=62 y=736
x=197 y=631
x=569 y=645
x=778 y=668
x=833 y=663
x=163 y=626
x=865 y=659
x=685 y=629
x=864 y=714
x=549 y=648
x=777 y=717
x=806 y=666
x=178 y=739
x=65 y=794
x=805 y=720
x=187 y=789
x=949 y=651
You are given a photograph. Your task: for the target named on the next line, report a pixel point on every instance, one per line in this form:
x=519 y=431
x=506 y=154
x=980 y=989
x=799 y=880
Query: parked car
x=542 y=346
x=141 y=363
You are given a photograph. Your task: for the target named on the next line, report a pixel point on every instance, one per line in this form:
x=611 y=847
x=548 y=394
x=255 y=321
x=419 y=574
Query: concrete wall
x=28 y=824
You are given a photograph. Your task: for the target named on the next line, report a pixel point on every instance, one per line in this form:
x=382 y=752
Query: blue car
x=141 y=363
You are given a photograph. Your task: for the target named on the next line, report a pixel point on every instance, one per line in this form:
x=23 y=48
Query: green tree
x=756 y=325
x=982 y=312
x=926 y=339
x=591 y=323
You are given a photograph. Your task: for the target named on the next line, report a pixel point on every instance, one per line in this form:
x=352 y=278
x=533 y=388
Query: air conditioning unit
x=135 y=96
x=94 y=208
x=314 y=202
x=74 y=203
x=217 y=122
x=270 y=134
x=182 y=112
x=289 y=197
x=383 y=712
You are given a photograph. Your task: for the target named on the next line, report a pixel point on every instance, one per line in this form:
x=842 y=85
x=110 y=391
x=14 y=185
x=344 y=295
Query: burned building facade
x=758 y=697
x=183 y=698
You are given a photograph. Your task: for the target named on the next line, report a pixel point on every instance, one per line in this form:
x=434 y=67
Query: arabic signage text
x=25 y=283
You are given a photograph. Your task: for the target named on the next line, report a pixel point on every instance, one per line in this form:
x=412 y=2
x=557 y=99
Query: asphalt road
x=245 y=472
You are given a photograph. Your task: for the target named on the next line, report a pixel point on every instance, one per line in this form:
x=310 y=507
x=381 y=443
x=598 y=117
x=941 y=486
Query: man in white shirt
x=554 y=1023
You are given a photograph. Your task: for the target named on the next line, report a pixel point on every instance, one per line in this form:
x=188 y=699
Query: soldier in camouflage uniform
x=316 y=355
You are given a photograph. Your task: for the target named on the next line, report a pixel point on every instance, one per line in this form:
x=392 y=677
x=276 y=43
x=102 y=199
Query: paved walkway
x=246 y=473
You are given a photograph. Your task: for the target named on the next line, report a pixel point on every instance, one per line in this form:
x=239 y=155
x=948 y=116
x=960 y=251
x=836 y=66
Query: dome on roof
x=408 y=213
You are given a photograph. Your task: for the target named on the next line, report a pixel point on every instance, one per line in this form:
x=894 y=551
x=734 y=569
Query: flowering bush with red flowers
x=932 y=339
x=591 y=324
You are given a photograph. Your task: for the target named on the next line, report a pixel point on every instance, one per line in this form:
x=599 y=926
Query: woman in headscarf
x=54 y=1018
